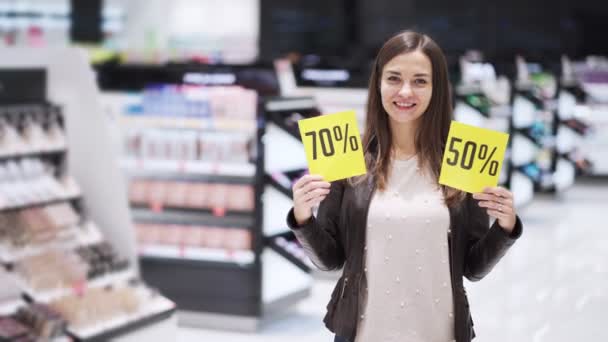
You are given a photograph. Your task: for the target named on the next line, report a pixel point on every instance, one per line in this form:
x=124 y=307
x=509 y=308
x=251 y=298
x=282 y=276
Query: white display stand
x=92 y=159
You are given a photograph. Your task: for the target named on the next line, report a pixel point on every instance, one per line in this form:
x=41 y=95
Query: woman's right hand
x=308 y=192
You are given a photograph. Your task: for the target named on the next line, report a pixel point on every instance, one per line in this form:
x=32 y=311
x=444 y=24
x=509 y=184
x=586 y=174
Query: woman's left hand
x=499 y=204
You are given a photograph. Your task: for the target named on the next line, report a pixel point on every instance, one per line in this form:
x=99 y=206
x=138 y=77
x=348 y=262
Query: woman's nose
x=406 y=89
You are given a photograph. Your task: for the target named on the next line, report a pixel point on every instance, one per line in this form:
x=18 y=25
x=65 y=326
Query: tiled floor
x=551 y=287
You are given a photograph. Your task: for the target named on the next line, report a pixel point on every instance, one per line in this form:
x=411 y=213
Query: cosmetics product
x=43 y=321
x=11 y=329
x=97 y=305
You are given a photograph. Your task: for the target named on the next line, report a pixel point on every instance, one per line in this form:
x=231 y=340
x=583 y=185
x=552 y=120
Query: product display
x=287 y=245
x=173 y=194
x=32 y=181
x=182 y=237
x=12 y=330
x=43 y=321
x=37 y=225
x=10 y=294
x=188 y=146
x=58 y=269
x=96 y=305
x=30 y=129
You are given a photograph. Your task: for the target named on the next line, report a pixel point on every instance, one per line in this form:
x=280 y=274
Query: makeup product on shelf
x=237 y=239
x=44 y=322
x=101 y=259
x=198 y=195
x=37 y=225
x=12 y=330
x=240 y=197
x=54 y=269
x=177 y=195
x=10 y=291
x=97 y=306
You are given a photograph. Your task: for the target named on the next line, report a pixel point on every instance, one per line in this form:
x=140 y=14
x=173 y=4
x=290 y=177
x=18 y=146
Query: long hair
x=432 y=132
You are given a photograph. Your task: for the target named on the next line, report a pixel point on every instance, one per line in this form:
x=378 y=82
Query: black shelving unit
x=541 y=132
x=209 y=293
x=24 y=97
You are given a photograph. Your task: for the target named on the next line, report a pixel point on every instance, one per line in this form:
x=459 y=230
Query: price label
x=473 y=157
x=333 y=145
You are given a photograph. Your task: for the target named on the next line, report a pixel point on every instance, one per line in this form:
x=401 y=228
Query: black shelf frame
x=34 y=154
x=544 y=104
x=205 y=217
x=271 y=242
x=207 y=287
x=191 y=177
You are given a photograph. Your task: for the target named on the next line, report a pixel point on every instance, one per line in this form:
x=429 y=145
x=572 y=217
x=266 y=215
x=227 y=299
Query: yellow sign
x=333 y=145
x=473 y=157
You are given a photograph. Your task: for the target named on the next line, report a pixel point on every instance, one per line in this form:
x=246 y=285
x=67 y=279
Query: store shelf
x=282 y=181
x=153 y=311
x=289 y=255
x=276 y=207
x=81 y=235
x=102 y=281
x=203 y=286
x=198 y=123
x=65 y=198
x=10 y=307
x=187 y=253
x=192 y=217
x=239 y=173
x=33 y=153
x=283 y=284
x=276 y=142
x=290 y=104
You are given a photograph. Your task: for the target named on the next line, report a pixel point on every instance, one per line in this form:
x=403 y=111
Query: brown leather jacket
x=336 y=238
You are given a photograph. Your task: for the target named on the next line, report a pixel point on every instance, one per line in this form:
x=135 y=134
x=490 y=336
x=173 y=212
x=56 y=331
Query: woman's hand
x=308 y=191
x=499 y=204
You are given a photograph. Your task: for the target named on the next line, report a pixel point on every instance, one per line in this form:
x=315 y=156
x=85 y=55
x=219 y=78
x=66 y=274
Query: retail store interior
x=165 y=135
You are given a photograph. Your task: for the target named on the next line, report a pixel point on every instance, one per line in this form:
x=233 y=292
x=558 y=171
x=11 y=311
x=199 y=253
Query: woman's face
x=406 y=87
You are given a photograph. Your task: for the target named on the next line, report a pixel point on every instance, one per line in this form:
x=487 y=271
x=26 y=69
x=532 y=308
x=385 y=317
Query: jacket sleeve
x=485 y=247
x=320 y=236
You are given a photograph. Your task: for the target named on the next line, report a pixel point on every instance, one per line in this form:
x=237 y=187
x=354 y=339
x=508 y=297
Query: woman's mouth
x=404 y=105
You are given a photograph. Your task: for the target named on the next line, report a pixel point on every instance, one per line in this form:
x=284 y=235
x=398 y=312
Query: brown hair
x=432 y=132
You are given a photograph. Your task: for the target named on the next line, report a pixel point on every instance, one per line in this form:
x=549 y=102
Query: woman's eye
x=420 y=81
x=393 y=78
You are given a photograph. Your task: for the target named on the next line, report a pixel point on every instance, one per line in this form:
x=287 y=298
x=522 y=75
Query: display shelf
x=32 y=153
x=192 y=177
x=277 y=141
x=283 y=284
x=66 y=198
x=90 y=159
x=10 y=307
x=299 y=260
x=195 y=170
x=192 y=217
x=235 y=257
x=155 y=310
x=99 y=282
x=80 y=235
x=197 y=123
x=289 y=104
x=276 y=202
x=282 y=181
x=207 y=287
x=285 y=113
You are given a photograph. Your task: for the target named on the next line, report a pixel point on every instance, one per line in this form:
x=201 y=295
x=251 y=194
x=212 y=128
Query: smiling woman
x=404 y=241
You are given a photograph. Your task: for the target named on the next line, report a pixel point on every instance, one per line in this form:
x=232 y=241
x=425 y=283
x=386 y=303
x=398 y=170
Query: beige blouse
x=409 y=294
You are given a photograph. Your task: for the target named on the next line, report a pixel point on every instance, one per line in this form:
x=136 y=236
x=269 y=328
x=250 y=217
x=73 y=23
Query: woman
x=405 y=241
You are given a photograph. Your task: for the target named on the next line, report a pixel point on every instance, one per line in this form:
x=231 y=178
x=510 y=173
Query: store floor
x=552 y=286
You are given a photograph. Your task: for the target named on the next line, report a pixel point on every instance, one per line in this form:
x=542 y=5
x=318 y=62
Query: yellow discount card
x=473 y=157
x=333 y=145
